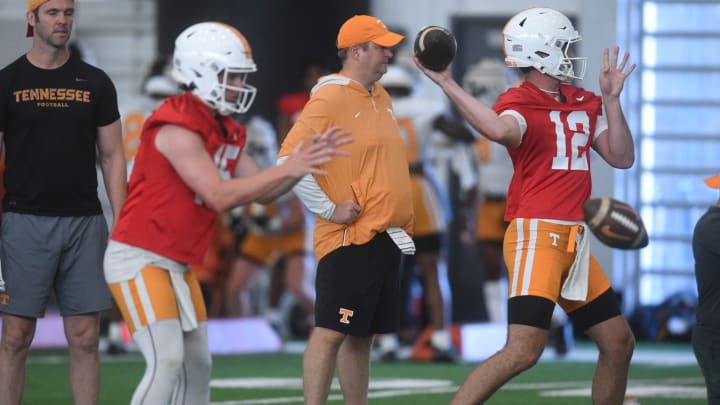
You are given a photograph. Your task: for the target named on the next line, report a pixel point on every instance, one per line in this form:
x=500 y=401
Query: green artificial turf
x=549 y=382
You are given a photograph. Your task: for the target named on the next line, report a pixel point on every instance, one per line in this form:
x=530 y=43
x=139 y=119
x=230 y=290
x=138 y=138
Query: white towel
x=2 y=281
x=575 y=287
x=124 y=262
x=403 y=241
x=188 y=319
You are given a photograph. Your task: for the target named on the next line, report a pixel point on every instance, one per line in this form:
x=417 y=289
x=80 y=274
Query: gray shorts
x=42 y=254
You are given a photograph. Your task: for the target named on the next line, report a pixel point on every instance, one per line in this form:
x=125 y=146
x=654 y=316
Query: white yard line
x=677 y=388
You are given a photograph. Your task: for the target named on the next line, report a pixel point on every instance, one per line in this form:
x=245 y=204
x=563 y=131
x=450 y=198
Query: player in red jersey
x=549 y=127
x=190 y=165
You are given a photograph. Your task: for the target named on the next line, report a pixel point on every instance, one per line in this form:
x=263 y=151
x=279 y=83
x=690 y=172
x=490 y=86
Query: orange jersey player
x=275 y=232
x=417 y=118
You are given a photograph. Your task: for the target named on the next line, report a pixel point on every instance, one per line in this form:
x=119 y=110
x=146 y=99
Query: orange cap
x=364 y=28
x=32 y=6
x=713 y=182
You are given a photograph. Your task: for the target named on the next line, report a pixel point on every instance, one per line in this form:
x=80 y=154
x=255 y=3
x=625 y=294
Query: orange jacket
x=375 y=174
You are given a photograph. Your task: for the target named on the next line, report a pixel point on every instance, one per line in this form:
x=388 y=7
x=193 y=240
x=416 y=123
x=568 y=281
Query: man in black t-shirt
x=706 y=335
x=57 y=114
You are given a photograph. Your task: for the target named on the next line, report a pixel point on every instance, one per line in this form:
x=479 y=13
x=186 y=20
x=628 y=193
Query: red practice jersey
x=552 y=164
x=161 y=213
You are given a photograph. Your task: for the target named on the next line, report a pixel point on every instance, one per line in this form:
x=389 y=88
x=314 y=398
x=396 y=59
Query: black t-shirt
x=50 y=119
x=706 y=249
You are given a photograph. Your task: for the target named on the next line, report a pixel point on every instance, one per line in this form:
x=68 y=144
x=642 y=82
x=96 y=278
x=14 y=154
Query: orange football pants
x=149 y=297
x=266 y=249
x=427 y=207
x=490 y=222
x=538 y=255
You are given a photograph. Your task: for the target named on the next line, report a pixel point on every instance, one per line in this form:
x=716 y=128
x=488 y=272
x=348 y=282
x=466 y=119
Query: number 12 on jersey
x=577 y=127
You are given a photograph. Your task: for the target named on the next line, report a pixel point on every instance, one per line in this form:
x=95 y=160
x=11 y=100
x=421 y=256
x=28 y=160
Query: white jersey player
x=276 y=230
x=486 y=80
x=419 y=119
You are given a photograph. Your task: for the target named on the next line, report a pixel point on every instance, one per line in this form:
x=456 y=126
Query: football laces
x=624 y=221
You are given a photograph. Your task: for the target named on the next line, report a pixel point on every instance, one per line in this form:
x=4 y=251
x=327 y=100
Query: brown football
x=615 y=223
x=435 y=47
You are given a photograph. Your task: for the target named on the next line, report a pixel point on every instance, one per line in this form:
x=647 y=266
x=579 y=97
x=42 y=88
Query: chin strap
x=218 y=119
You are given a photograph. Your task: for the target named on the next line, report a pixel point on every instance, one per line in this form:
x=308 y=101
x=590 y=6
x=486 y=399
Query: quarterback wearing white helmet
x=540 y=38
x=549 y=128
x=206 y=57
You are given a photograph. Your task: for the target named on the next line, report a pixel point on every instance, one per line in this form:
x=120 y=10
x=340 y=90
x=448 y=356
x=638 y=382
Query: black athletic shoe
x=115 y=349
x=445 y=356
x=388 y=357
x=561 y=338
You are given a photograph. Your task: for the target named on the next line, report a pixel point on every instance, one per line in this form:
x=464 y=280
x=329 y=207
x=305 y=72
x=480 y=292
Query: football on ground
x=615 y=223
x=435 y=47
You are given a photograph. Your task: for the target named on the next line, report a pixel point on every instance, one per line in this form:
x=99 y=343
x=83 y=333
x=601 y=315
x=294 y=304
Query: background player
x=274 y=233
x=485 y=81
x=418 y=119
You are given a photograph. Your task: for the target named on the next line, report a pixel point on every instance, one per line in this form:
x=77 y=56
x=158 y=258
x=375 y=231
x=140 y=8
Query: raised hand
x=435 y=76
x=322 y=148
x=612 y=75
x=334 y=138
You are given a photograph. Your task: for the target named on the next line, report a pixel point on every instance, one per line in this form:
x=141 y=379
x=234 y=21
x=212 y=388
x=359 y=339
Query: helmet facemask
x=568 y=65
x=217 y=96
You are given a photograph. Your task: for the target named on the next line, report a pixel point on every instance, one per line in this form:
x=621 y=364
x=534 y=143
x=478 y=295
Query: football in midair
x=435 y=47
x=615 y=223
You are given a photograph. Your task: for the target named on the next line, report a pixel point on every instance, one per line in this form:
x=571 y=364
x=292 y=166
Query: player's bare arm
x=503 y=130
x=248 y=169
x=111 y=156
x=186 y=152
x=616 y=146
x=324 y=145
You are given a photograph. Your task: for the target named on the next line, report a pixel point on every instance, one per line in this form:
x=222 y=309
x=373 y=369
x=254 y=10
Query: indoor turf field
x=661 y=374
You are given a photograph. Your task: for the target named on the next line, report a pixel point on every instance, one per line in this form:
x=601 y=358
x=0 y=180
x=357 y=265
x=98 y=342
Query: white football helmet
x=205 y=56
x=161 y=86
x=487 y=79
x=540 y=38
x=397 y=76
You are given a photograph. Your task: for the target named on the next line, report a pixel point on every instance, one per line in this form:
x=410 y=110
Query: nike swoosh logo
x=357 y=114
x=605 y=230
x=580 y=98
x=79 y=79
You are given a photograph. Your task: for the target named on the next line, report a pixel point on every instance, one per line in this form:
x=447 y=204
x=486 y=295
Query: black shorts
x=427 y=243
x=706 y=345
x=537 y=311
x=357 y=288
